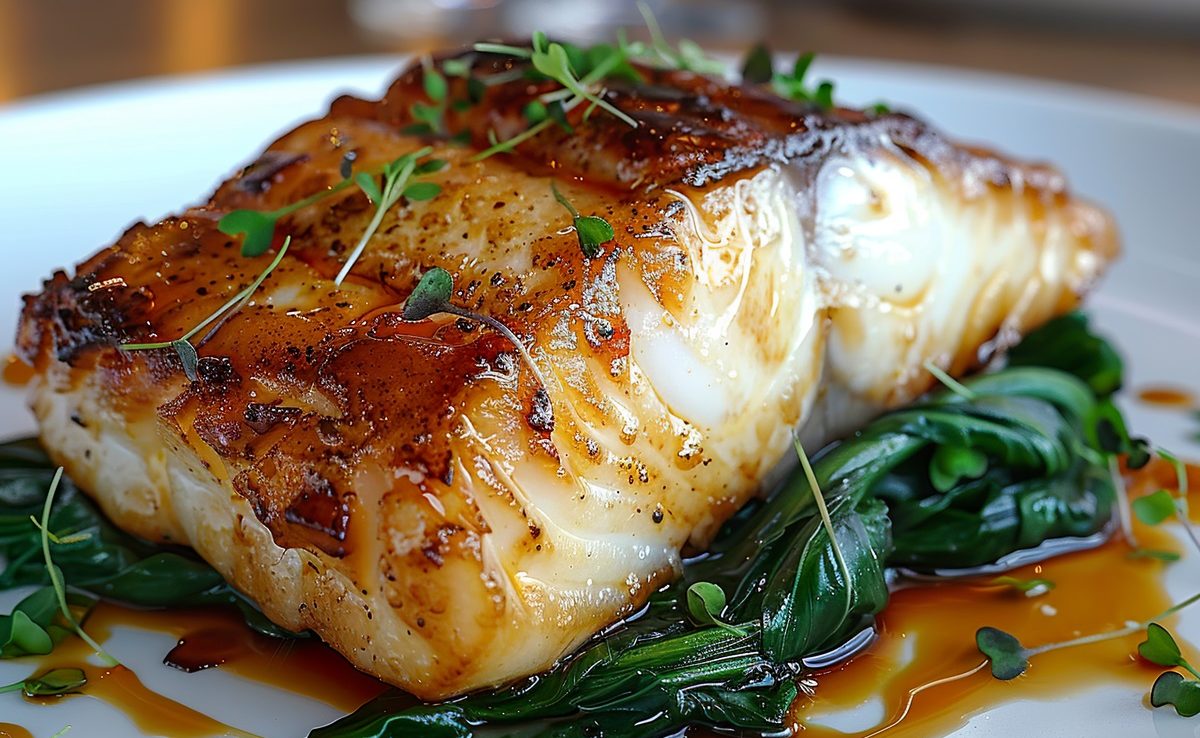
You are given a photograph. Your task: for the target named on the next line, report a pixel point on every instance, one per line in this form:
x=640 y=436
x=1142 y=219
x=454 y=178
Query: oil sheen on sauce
x=907 y=678
x=8 y=730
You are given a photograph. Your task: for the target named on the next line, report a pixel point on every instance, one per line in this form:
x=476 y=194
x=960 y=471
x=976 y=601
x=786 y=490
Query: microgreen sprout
x=1154 y=508
x=758 y=68
x=706 y=602
x=1171 y=688
x=1180 y=499
x=56 y=578
x=396 y=176
x=688 y=56
x=258 y=227
x=432 y=296
x=554 y=61
x=431 y=118
x=1009 y=659
x=592 y=230
x=183 y=345
x=51 y=683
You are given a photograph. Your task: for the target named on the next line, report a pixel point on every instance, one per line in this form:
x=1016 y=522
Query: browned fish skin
x=380 y=481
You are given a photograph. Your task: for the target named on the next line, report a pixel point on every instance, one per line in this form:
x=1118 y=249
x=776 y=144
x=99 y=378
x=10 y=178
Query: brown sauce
x=8 y=730
x=118 y=686
x=219 y=638
x=17 y=373
x=1166 y=396
x=927 y=639
x=207 y=638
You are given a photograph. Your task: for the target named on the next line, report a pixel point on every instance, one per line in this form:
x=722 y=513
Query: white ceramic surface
x=76 y=168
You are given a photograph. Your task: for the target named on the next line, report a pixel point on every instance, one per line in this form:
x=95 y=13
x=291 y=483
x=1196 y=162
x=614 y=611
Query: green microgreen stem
x=56 y=579
x=522 y=52
x=391 y=193
x=826 y=520
x=950 y=382
x=223 y=313
x=1130 y=628
x=509 y=144
x=1181 y=497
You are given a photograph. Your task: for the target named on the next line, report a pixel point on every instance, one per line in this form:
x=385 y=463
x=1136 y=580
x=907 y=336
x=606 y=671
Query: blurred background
x=1146 y=46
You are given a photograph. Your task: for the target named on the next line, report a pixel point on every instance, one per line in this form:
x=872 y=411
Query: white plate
x=75 y=168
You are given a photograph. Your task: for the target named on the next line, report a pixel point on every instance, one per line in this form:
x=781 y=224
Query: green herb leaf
x=188 y=357
x=422 y=191
x=20 y=635
x=55 y=682
x=800 y=68
x=430 y=166
x=593 y=232
x=1030 y=587
x=435 y=85
x=1172 y=689
x=758 y=68
x=366 y=182
x=1159 y=647
x=257 y=228
x=1007 y=656
x=1154 y=508
x=456 y=67
x=430 y=296
x=396 y=182
x=705 y=602
x=823 y=97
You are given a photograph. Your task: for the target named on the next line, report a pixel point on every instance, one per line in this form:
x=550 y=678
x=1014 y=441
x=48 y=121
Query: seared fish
x=400 y=487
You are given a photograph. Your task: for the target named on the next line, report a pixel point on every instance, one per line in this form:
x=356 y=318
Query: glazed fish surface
x=411 y=490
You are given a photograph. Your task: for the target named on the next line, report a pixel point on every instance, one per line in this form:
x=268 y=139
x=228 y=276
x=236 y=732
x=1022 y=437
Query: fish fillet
x=396 y=487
